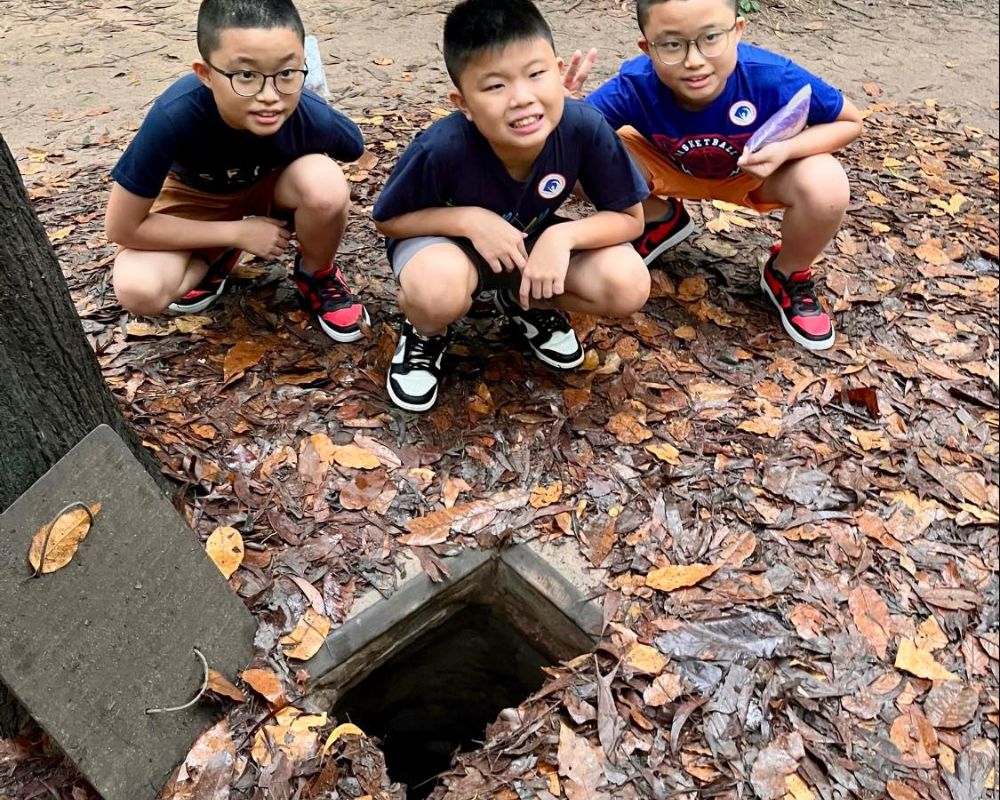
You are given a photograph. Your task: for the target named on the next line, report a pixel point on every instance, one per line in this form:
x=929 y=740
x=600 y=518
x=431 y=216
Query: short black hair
x=475 y=26
x=642 y=10
x=214 y=16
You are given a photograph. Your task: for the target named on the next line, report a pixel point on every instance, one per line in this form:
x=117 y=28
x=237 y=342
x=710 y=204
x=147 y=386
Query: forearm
x=602 y=229
x=456 y=221
x=826 y=138
x=166 y=232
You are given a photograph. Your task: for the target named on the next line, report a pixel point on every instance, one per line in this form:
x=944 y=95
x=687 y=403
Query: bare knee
x=435 y=293
x=821 y=186
x=625 y=282
x=139 y=287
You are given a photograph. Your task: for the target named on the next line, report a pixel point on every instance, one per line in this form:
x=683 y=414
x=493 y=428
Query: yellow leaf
x=719 y=224
x=691 y=289
x=354 y=457
x=225 y=548
x=878 y=227
x=722 y=205
x=241 y=357
x=266 y=683
x=135 y=328
x=686 y=332
x=347 y=729
x=64 y=539
x=665 y=452
x=308 y=636
x=62 y=233
x=645 y=659
x=763 y=426
x=921 y=663
x=627 y=429
x=932 y=253
x=868 y=440
x=797 y=789
x=190 y=323
x=677 y=576
x=292 y=734
x=877 y=198
x=542 y=496
x=220 y=684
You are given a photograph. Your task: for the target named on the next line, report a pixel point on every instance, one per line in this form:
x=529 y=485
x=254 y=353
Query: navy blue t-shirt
x=708 y=142
x=452 y=164
x=184 y=133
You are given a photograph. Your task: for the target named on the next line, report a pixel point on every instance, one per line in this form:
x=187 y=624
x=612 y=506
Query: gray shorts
x=406 y=249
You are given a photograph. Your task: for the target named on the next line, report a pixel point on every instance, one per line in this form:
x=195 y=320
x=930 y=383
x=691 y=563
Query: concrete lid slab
x=88 y=648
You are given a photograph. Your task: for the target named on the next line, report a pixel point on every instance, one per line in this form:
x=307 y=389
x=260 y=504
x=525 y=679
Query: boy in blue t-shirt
x=224 y=160
x=472 y=203
x=686 y=108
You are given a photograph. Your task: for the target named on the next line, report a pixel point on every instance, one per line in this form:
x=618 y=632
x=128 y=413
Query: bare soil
x=79 y=78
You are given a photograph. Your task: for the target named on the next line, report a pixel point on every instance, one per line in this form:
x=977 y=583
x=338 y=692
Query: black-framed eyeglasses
x=710 y=44
x=250 y=83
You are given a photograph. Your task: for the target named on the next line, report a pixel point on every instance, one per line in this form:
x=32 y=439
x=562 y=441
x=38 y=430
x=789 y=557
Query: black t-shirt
x=184 y=133
x=452 y=164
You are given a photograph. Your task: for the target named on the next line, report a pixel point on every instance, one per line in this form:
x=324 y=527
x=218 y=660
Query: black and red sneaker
x=795 y=297
x=211 y=286
x=662 y=234
x=327 y=295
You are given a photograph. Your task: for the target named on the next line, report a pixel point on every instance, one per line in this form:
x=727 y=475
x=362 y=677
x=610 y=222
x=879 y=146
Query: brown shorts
x=180 y=200
x=668 y=181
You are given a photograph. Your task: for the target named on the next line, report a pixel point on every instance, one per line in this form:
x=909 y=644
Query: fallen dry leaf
x=871 y=617
x=64 y=538
x=221 y=685
x=921 y=663
x=951 y=704
x=225 y=548
x=267 y=684
x=645 y=659
x=676 y=576
x=542 y=496
x=354 y=457
x=307 y=638
x=240 y=357
x=292 y=733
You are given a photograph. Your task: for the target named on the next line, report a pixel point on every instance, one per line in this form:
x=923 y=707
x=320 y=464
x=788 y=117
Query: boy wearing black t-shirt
x=471 y=204
x=223 y=161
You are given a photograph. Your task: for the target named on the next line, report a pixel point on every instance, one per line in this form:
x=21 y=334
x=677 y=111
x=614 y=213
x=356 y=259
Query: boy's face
x=514 y=96
x=246 y=50
x=698 y=78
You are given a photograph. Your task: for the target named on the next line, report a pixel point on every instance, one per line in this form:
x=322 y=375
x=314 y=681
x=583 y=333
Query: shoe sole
x=201 y=305
x=344 y=337
x=676 y=238
x=407 y=405
x=809 y=344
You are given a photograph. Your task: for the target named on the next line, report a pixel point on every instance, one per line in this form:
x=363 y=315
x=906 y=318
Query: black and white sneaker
x=547 y=332
x=415 y=370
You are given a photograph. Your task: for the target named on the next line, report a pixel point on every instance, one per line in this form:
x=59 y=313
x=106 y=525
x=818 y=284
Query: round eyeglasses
x=250 y=83
x=710 y=43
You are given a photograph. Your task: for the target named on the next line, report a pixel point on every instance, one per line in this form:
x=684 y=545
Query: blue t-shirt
x=183 y=133
x=452 y=164
x=708 y=142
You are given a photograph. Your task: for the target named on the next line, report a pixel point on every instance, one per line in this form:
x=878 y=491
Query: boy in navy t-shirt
x=224 y=160
x=472 y=203
x=686 y=108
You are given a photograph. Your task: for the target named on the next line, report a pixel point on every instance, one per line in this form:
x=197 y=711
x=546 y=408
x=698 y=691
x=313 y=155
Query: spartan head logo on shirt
x=551 y=185
x=713 y=157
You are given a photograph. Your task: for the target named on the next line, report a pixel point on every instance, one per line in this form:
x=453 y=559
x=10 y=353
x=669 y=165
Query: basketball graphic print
x=551 y=185
x=743 y=113
x=711 y=157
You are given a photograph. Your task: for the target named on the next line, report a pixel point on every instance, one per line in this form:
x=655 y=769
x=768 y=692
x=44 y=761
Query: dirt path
x=79 y=79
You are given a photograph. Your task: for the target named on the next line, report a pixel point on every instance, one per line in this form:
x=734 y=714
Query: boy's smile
x=515 y=98
x=697 y=79
x=264 y=50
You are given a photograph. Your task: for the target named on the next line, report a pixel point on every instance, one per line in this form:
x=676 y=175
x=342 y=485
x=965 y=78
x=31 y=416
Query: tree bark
x=52 y=393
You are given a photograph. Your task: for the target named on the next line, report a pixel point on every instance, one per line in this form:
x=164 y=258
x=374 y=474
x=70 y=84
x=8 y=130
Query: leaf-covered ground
x=801 y=548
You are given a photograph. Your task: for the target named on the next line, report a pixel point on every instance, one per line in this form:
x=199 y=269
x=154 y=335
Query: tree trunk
x=52 y=393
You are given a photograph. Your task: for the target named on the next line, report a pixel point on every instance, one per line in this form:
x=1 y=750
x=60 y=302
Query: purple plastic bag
x=785 y=123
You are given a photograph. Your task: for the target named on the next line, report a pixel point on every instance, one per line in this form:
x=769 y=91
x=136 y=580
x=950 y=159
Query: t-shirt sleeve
x=417 y=182
x=145 y=163
x=344 y=139
x=826 y=102
x=615 y=100
x=607 y=173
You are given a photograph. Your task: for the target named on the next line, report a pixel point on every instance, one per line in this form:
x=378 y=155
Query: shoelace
x=545 y=321
x=334 y=289
x=423 y=351
x=802 y=294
